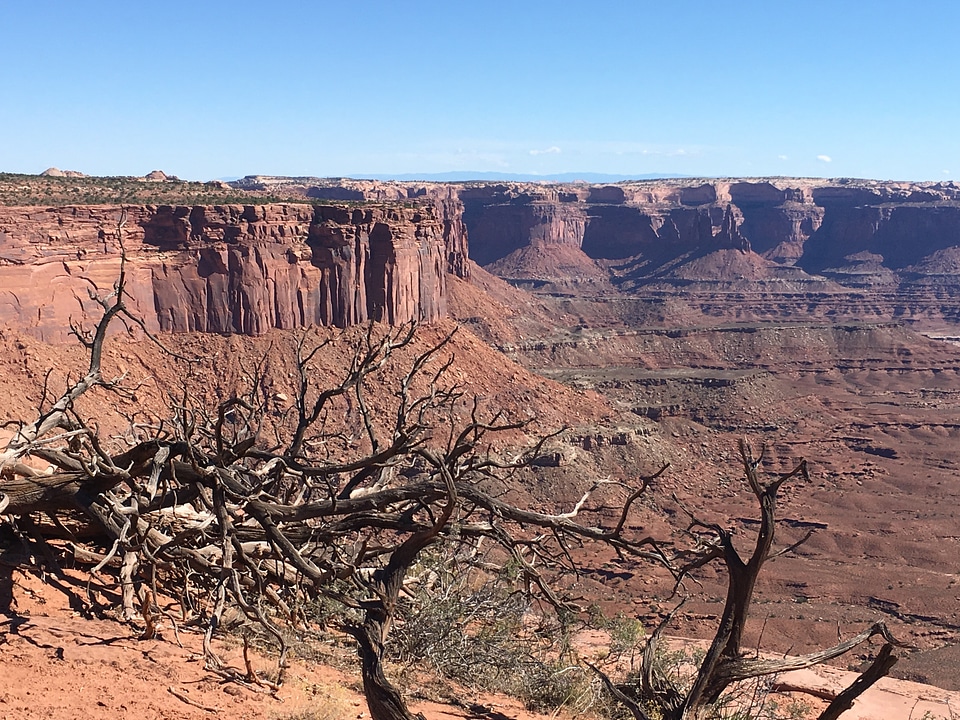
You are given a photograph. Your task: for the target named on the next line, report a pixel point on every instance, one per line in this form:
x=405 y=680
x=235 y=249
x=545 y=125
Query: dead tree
x=725 y=663
x=225 y=507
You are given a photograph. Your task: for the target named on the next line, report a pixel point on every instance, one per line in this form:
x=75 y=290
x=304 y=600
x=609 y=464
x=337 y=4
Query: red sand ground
x=58 y=665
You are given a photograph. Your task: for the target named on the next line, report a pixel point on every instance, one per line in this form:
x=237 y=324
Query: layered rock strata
x=811 y=224
x=746 y=249
x=853 y=232
x=443 y=197
x=223 y=269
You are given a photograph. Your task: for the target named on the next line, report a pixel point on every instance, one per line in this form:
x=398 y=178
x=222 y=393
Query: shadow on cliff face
x=168 y=228
x=903 y=235
x=495 y=230
x=617 y=232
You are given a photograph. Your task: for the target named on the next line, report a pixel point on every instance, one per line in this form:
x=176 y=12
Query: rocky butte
x=225 y=269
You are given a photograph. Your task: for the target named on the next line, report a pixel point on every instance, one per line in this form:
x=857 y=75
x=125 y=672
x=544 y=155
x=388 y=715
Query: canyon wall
x=443 y=198
x=813 y=224
x=734 y=248
x=744 y=249
x=225 y=269
x=383 y=250
x=825 y=233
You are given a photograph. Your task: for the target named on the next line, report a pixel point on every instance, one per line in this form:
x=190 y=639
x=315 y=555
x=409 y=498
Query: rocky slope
x=226 y=268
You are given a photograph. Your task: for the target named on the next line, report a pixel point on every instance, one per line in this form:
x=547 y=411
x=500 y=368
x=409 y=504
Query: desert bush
x=478 y=628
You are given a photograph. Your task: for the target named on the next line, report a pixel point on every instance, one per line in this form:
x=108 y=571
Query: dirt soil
x=59 y=665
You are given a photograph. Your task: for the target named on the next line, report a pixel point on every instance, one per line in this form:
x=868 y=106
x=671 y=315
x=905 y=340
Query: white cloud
x=824 y=158
x=552 y=150
x=946 y=172
x=782 y=157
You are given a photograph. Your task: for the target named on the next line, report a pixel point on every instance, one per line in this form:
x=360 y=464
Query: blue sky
x=208 y=89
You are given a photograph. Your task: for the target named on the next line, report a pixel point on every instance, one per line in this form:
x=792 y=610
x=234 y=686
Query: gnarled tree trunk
x=383 y=699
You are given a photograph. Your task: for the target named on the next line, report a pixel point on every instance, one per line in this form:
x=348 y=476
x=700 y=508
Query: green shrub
x=480 y=630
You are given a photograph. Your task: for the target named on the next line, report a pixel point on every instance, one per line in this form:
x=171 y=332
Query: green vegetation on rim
x=20 y=190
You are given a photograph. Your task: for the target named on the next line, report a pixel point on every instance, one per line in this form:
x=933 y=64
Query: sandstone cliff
x=224 y=269
x=443 y=197
x=780 y=247
x=817 y=227
x=797 y=245
x=794 y=246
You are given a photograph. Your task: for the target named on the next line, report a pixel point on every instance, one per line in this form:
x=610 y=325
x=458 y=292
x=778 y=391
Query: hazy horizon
x=458 y=176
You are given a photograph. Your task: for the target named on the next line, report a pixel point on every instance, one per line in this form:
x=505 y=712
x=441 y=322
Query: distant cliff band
x=383 y=250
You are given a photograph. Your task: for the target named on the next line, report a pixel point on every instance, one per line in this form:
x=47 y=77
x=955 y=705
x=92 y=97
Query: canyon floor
x=870 y=405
